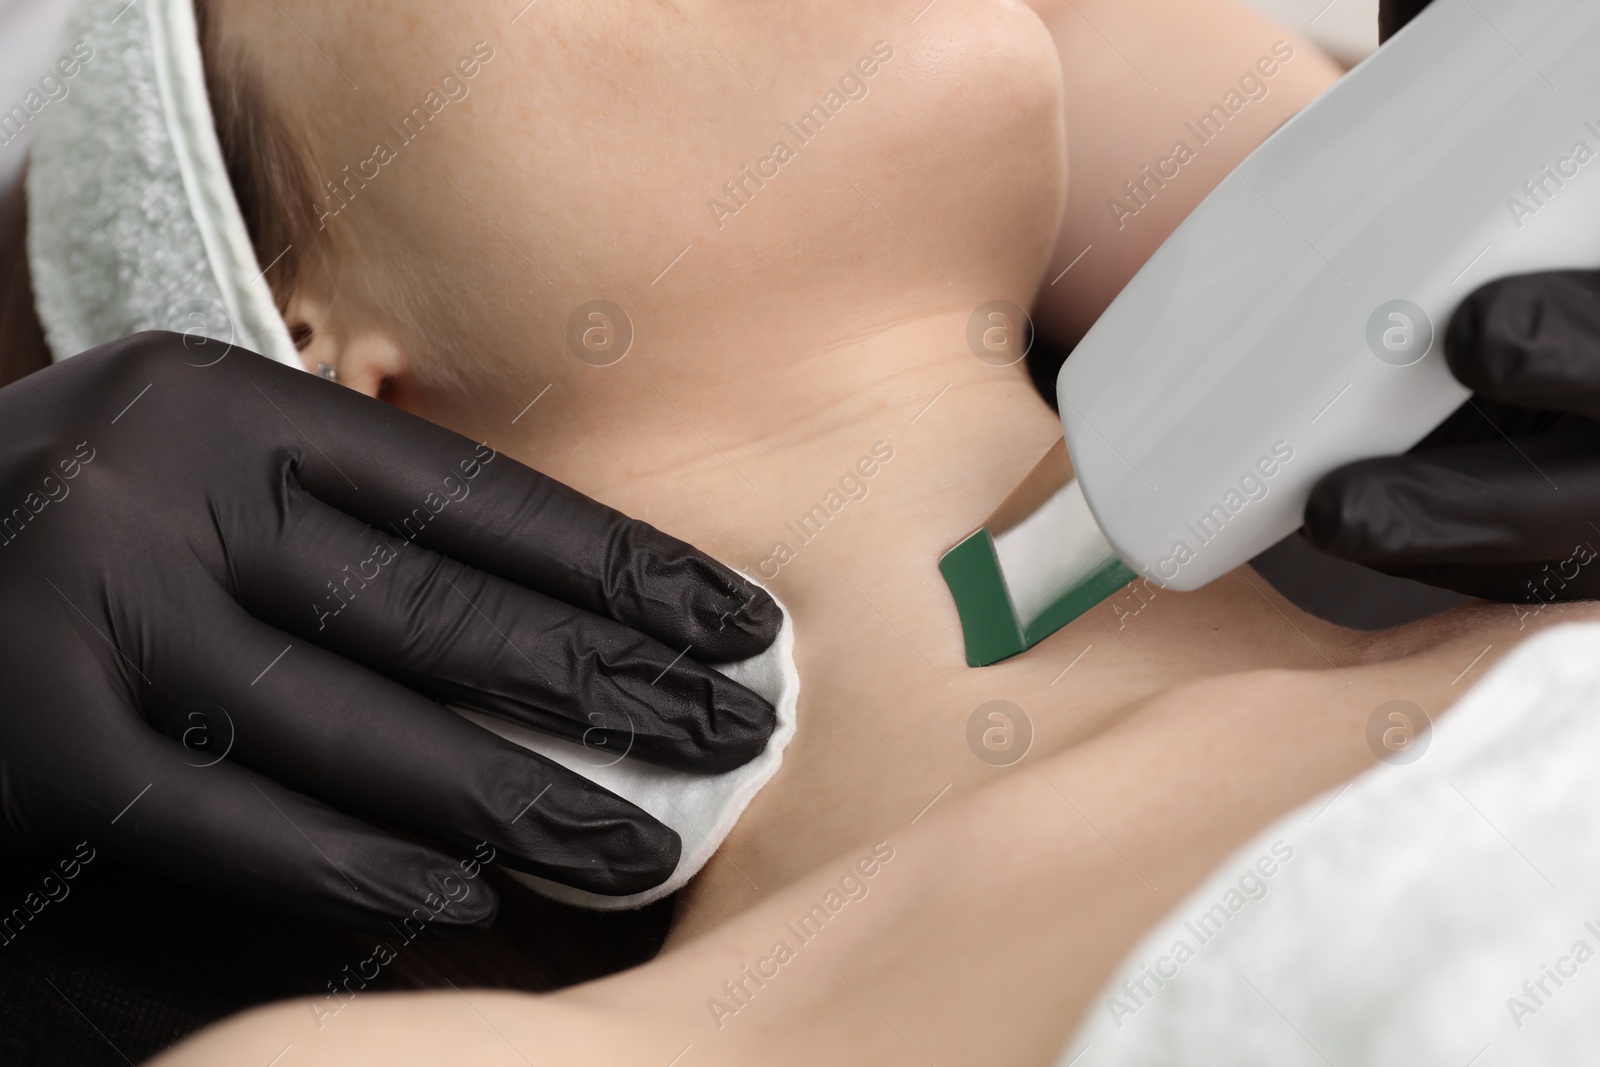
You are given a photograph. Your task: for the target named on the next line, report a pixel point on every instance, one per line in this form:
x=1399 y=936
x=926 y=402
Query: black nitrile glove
x=232 y=596
x=1502 y=501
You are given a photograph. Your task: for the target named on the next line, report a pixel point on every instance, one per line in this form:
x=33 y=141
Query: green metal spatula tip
x=990 y=628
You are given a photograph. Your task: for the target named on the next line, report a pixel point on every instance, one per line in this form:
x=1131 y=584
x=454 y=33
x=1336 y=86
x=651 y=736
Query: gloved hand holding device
x=235 y=595
x=1502 y=501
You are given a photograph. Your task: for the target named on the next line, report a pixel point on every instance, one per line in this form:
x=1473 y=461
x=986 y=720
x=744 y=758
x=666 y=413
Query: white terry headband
x=132 y=221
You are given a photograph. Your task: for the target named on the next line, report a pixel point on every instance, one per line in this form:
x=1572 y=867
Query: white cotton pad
x=701 y=808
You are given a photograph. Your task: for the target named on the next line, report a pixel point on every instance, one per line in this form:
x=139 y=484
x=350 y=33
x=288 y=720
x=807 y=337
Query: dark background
x=127 y=963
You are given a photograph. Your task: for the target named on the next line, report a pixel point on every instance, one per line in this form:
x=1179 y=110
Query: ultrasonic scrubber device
x=1293 y=323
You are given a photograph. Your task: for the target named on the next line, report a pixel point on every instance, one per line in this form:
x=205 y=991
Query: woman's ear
x=365 y=358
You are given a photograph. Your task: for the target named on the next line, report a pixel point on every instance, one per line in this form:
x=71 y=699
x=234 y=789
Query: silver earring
x=328 y=371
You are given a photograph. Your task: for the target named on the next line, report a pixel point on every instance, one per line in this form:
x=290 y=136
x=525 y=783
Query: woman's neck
x=861 y=459
x=731 y=454
x=838 y=480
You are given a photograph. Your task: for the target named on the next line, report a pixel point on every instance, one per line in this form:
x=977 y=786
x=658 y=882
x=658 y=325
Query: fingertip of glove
x=472 y=914
x=1327 y=517
x=1528 y=324
x=630 y=856
x=643 y=867
x=590 y=839
x=742 y=724
x=1492 y=327
x=741 y=625
x=431 y=899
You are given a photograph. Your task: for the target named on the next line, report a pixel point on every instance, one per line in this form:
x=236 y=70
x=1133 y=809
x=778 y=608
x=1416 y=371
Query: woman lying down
x=798 y=320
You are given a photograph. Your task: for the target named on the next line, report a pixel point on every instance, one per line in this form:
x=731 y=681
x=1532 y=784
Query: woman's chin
x=988 y=121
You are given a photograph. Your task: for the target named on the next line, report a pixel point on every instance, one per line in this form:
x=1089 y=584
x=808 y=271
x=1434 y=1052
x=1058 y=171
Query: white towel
x=1416 y=904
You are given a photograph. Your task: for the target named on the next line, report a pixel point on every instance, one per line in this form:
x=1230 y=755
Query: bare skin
x=1168 y=727
x=986 y=935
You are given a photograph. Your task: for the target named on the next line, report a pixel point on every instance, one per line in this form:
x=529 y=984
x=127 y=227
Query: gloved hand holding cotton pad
x=602 y=604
